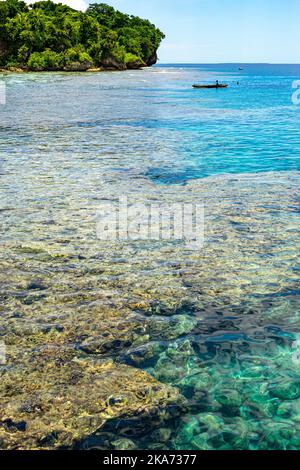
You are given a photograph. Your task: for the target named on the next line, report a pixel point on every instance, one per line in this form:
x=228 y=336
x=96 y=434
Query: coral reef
x=61 y=401
x=148 y=344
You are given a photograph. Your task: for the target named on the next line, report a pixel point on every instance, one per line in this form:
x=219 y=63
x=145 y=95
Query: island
x=47 y=36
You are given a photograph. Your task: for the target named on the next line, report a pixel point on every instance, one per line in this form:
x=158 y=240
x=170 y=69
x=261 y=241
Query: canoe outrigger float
x=217 y=85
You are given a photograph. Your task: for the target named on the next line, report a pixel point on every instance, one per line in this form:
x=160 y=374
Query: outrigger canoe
x=220 y=85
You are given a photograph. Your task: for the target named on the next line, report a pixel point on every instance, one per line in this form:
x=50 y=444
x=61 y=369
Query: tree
x=48 y=35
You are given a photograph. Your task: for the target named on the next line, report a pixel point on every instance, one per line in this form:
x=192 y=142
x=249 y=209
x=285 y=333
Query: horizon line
x=226 y=63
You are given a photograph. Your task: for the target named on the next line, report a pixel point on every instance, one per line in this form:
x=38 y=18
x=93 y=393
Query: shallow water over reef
x=206 y=342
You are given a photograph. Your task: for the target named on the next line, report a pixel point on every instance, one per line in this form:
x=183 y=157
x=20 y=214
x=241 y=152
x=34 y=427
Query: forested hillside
x=51 y=36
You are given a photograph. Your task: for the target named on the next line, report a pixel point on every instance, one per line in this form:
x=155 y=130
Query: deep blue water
x=250 y=127
x=171 y=132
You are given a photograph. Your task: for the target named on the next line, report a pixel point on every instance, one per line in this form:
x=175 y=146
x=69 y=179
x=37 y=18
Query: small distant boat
x=241 y=68
x=216 y=85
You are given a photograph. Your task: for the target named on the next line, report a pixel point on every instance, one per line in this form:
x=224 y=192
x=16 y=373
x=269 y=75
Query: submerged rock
x=170 y=328
x=203 y=323
x=124 y=444
x=230 y=402
x=144 y=355
x=286 y=391
x=161 y=435
x=65 y=413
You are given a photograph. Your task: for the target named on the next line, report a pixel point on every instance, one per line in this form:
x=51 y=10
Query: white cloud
x=76 y=4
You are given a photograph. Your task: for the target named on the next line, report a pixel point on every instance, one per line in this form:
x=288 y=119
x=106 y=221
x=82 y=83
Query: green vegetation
x=50 y=36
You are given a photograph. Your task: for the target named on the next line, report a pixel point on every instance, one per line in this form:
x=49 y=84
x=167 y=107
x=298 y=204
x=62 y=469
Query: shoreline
x=91 y=70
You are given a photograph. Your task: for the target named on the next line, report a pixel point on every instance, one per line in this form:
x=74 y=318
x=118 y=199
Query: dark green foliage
x=51 y=36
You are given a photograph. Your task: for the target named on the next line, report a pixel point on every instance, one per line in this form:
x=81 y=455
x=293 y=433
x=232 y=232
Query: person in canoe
x=216 y=85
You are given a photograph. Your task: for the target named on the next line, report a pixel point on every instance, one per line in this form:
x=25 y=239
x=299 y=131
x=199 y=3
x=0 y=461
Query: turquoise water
x=223 y=325
x=250 y=127
x=253 y=127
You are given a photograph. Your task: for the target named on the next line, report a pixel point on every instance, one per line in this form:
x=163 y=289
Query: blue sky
x=209 y=31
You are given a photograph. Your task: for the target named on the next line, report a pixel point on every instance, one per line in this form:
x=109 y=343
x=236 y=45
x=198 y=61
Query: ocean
x=219 y=325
